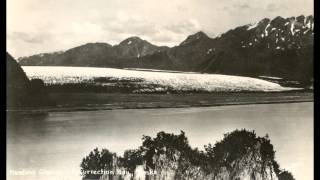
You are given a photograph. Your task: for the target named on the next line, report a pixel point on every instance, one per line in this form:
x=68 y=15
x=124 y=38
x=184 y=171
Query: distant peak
x=195 y=37
x=200 y=34
x=310 y=17
x=133 y=39
x=264 y=20
x=102 y=44
x=278 y=21
x=278 y=17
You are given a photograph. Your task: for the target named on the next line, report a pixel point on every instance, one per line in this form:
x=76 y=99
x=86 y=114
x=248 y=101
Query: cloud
x=122 y=26
x=28 y=38
x=21 y=43
x=35 y=25
x=131 y=26
x=273 y=7
x=243 y=6
x=188 y=26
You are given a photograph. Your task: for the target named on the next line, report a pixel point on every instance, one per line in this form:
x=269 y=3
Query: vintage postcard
x=160 y=90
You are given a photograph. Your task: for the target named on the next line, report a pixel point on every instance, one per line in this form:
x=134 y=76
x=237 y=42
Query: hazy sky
x=36 y=26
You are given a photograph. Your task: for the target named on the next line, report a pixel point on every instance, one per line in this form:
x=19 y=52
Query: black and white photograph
x=160 y=90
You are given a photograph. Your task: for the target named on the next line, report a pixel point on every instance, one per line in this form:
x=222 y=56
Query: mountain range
x=279 y=47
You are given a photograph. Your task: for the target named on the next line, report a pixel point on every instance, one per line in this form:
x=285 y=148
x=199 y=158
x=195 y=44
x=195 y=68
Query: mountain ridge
x=270 y=47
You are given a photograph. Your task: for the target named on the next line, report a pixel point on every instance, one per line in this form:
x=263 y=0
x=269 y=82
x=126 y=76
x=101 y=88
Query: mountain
x=17 y=82
x=136 y=47
x=125 y=54
x=279 y=47
x=22 y=92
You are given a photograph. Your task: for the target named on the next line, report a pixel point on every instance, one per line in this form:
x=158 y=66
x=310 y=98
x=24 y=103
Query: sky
x=39 y=26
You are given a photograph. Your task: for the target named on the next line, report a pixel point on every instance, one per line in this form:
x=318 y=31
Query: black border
x=3 y=71
x=316 y=90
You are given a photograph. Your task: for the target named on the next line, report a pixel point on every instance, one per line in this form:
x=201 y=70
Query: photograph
x=160 y=90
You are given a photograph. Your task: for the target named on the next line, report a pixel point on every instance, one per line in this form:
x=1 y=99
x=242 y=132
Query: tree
x=132 y=158
x=285 y=175
x=165 y=143
x=96 y=161
x=176 y=149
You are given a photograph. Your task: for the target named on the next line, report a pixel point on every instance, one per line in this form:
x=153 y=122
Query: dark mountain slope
x=136 y=47
x=97 y=55
x=20 y=91
x=17 y=83
x=279 y=47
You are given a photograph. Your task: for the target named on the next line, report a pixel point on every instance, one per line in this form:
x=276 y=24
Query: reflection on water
x=57 y=141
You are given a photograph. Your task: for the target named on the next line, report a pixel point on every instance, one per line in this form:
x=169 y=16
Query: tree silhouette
x=165 y=143
x=233 y=147
x=95 y=161
x=132 y=158
x=285 y=175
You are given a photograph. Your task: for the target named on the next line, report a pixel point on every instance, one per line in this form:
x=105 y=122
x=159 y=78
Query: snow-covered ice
x=270 y=77
x=175 y=81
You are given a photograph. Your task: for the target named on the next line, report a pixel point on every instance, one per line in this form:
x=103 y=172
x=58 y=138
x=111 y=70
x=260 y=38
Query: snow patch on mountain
x=254 y=25
x=291 y=28
x=266 y=29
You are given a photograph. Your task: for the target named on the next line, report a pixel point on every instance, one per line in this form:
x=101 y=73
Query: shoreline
x=142 y=101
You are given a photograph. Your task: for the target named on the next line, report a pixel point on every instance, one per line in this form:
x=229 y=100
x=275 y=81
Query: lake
x=52 y=144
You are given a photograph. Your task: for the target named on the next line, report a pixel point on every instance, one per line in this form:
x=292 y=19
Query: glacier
x=175 y=81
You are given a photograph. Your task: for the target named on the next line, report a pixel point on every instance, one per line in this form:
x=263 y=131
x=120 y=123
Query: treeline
x=169 y=151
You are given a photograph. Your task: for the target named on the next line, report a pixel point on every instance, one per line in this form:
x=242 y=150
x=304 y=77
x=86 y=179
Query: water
x=56 y=142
